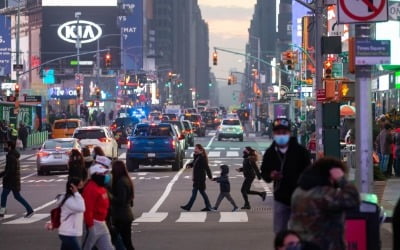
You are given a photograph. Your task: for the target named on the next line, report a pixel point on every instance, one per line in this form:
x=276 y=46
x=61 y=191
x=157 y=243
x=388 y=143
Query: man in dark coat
x=283 y=163
x=12 y=181
x=23 y=135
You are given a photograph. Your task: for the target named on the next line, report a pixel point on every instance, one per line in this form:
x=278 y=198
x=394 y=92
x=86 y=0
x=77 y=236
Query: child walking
x=225 y=188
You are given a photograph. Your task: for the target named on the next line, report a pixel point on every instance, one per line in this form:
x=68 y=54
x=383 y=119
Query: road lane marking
x=192 y=217
x=151 y=217
x=232 y=154
x=263 y=185
x=168 y=189
x=234 y=148
x=191 y=148
x=214 y=154
x=233 y=217
x=219 y=148
x=7 y=216
x=22 y=178
x=210 y=142
x=212 y=133
x=122 y=156
x=34 y=218
x=45 y=205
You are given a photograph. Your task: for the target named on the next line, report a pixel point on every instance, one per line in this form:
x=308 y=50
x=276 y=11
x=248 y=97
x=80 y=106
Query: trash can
x=363 y=225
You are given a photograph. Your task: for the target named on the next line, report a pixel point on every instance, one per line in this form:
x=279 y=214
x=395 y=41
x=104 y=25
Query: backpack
x=55 y=215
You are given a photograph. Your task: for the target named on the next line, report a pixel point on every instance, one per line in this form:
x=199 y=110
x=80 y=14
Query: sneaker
x=246 y=207
x=263 y=195
x=2 y=212
x=29 y=214
x=235 y=209
x=185 y=208
x=215 y=208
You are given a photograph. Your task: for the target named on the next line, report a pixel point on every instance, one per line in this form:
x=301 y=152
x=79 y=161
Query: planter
x=379 y=189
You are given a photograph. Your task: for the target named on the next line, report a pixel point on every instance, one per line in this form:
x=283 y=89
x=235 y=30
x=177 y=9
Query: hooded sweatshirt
x=223 y=180
x=96 y=202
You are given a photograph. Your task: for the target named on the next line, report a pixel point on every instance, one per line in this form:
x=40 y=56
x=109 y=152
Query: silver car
x=54 y=155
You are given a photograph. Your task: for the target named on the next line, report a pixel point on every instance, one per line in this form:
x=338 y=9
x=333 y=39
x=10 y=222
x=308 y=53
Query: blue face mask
x=107 y=179
x=281 y=140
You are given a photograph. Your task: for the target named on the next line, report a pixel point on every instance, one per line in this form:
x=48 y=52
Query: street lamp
x=78 y=46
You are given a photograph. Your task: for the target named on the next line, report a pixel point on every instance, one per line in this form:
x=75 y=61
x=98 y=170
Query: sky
x=228 y=23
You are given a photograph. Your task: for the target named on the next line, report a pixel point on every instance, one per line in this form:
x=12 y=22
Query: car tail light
x=43 y=154
x=104 y=139
x=129 y=144
x=173 y=145
x=189 y=131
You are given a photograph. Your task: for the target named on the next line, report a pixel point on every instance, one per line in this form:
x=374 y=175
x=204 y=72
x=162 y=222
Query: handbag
x=19 y=144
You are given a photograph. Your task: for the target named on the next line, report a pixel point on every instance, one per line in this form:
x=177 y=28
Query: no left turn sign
x=362 y=11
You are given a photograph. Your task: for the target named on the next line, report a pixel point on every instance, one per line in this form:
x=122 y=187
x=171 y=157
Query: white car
x=230 y=128
x=93 y=136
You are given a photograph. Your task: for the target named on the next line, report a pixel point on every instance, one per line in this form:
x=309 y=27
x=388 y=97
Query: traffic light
x=78 y=91
x=328 y=69
x=287 y=59
x=170 y=76
x=215 y=58
x=346 y=90
x=16 y=91
x=107 y=60
x=98 y=93
x=229 y=80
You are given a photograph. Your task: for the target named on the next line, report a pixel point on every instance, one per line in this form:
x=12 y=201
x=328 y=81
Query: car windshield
x=187 y=125
x=89 y=134
x=126 y=121
x=208 y=114
x=155 y=114
x=153 y=131
x=63 y=125
x=192 y=118
x=231 y=122
x=58 y=144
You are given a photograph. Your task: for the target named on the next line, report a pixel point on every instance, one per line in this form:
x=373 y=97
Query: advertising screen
x=61 y=29
x=5 y=46
x=79 y=3
x=107 y=86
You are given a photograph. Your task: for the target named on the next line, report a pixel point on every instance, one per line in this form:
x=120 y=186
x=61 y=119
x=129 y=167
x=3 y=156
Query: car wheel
x=181 y=164
x=132 y=165
x=176 y=165
x=40 y=172
x=241 y=138
x=219 y=138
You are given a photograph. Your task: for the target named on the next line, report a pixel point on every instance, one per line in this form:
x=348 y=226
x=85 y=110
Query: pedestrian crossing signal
x=215 y=58
x=328 y=69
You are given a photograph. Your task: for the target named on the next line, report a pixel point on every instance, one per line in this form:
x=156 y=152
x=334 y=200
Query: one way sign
x=394 y=11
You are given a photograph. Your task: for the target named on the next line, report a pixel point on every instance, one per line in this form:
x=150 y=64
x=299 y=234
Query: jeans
x=228 y=196
x=246 y=190
x=193 y=198
x=124 y=228
x=383 y=162
x=281 y=216
x=69 y=242
x=17 y=196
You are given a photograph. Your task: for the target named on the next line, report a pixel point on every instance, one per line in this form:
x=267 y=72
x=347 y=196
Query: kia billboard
x=62 y=26
x=5 y=46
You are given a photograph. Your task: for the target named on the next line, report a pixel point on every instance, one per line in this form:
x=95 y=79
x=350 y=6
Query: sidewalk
x=389 y=201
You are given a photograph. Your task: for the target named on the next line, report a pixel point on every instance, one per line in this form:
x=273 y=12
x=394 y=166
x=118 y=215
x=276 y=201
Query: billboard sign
x=79 y=3
x=107 y=85
x=5 y=45
x=132 y=34
x=60 y=31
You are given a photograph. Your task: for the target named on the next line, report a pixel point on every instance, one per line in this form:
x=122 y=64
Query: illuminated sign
x=87 y=31
x=79 y=3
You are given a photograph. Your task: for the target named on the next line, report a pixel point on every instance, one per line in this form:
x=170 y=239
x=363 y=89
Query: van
x=65 y=128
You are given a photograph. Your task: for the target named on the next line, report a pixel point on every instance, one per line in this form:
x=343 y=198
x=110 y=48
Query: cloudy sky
x=228 y=22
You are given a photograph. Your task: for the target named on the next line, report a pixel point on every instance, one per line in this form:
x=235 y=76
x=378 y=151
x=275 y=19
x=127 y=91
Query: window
x=153 y=131
x=58 y=144
x=231 y=122
x=187 y=125
x=63 y=125
x=90 y=134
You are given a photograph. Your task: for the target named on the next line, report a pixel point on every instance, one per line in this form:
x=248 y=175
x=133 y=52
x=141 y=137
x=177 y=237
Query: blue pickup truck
x=154 y=144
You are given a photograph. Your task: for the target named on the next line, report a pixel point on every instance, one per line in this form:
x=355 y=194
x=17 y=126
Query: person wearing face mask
x=283 y=163
x=250 y=171
x=97 y=204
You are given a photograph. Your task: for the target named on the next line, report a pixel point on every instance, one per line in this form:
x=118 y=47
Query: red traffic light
x=215 y=58
x=108 y=59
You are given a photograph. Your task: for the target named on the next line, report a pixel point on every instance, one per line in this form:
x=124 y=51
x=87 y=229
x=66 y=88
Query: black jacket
x=250 y=169
x=200 y=169
x=295 y=160
x=11 y=174
x=223 y=180
x=122 y=200
x=22 y=133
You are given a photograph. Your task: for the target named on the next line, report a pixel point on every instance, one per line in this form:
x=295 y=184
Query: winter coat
x=290 y=165
x=223 y=180
x=72 y=215
x=122 y=200
x=250 y=169
x=96 y=202
x=11 y=174
x=22 y=133
x=200 y=169
x=318 y=210
x=383 y=142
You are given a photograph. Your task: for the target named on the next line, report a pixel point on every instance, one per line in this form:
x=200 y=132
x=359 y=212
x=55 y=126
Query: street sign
x=337 y=70
x=293 y=95
x=18 y=67
x=33 y=98
x=321 y=95
x=362 y=11
x=372 y=52
x=394 y=11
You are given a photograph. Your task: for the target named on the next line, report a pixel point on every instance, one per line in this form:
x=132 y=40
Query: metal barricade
x=37 y=138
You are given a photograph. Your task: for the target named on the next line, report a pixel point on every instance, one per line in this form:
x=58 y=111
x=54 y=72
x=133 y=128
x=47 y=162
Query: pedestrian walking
x=23 y=135
x=72 y=207
x=122 y=194
x=250 y=171
x=13 y=133
x=97 y=204
x=12 y=181
x=76 y=166
x=200 y=170
x=87 y=157
x=111 y=116
x=320 y=201
x=383 y=147
x=283 y=163
x=225 y=188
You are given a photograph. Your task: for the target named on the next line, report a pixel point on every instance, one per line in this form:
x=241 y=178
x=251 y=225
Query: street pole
x=78 y=46
x=17 y=38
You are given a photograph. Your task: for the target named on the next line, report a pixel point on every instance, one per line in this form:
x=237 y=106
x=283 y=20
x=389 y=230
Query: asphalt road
x=159 y=193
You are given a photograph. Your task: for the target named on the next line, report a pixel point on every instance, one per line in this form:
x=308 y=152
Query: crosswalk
x=221 y=152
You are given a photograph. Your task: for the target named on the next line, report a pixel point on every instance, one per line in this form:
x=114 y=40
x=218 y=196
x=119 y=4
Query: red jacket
x=96 y=202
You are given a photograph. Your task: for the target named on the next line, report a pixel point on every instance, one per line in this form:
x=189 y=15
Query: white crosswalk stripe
x=211 y=133
x=192 y=217
x=232 y=154
x=234 y=217
x=122 y=156
x=7 y=216
x=34 y=218
x=214 y=154
x=152 y=217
